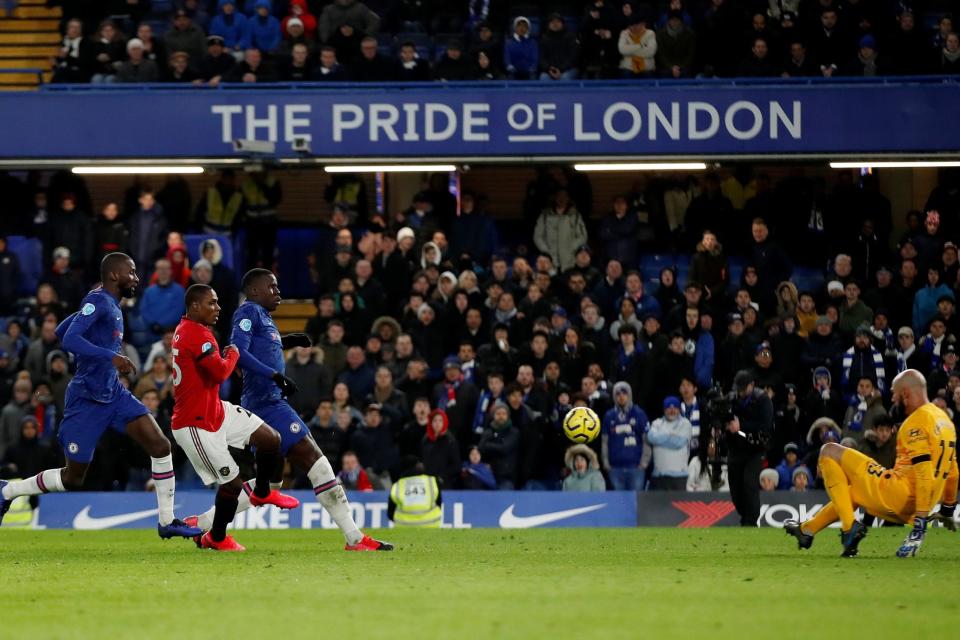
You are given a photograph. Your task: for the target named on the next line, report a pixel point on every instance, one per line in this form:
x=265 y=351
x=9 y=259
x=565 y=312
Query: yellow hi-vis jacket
x=416 y=500
x=20 y=513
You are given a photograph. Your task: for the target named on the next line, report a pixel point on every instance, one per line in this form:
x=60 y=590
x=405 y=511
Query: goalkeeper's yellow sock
x=824 y=518
x=835 y=481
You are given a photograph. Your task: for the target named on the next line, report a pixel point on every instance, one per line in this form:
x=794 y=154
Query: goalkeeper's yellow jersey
x=927 y=456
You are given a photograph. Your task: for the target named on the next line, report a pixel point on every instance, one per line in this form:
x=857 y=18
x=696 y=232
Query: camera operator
x=746 y=439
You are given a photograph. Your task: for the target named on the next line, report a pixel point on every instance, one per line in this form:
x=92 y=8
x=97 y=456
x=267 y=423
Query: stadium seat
x=652 y=264
x=30 y=253
x=161 y=7
x=807 y=279
x=736 y=272
x=293 y=246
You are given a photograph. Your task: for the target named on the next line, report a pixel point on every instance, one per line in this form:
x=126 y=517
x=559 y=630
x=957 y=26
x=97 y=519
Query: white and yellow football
x=581 y=425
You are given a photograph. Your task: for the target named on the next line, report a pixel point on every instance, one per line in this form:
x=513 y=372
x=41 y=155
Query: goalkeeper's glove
x=945 y=517
x=914 y=539
x=295 y=340
x=287 y=386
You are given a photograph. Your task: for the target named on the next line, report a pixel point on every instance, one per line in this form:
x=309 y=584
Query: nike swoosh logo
x=85 y=521
x=510 y=521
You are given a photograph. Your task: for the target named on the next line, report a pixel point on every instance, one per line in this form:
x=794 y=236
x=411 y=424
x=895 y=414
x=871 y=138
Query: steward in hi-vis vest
x=415 y=500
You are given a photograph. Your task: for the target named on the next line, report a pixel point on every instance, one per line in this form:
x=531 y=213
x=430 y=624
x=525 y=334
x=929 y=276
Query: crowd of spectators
x=205 y=42
x=434 y=339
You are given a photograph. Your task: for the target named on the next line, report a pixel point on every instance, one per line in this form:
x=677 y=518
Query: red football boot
x=227 y=544
x=369 y=544
x=277 y=499
x=192 y=521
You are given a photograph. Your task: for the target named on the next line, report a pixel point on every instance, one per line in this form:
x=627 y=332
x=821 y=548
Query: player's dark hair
x=250 y=277
x=195 y=293
x=110 y=263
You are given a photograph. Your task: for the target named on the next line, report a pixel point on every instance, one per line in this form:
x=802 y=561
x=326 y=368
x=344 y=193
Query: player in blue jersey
x=96 y=400
x=265 y=388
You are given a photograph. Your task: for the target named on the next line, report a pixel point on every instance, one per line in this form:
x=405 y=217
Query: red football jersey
x=198 y=371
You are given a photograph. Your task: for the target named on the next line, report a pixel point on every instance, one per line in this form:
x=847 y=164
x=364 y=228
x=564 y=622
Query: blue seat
x=736 y=272
x=807 y=279
x=418 y=39
x=811 y=285
x=293 y=246
x=652 y=264
x=161 y=7
x=30 y=253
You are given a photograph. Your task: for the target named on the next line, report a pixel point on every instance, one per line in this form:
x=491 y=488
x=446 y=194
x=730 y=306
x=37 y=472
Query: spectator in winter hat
x=769 y=479
x=638 y=47
x=521 y=53
x=669 y=440
x=263 y=30
x=300 y=11
x=559 y=50
x=137 y=68
x=865 y=63
x=230 y=26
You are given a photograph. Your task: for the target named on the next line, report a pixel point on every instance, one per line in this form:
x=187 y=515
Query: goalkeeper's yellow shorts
x=877 y=490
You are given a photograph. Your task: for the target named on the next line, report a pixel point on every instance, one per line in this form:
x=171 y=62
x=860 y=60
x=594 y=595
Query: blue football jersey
x=255 y=333
x=94 y=334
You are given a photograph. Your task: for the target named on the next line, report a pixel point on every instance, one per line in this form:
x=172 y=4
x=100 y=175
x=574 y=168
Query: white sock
x=274 y=486
x=165 y=485
x=331 y=495
x=44 y=482
x=205 y=520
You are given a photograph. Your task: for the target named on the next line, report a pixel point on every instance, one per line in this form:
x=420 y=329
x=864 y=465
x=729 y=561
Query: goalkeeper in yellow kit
x=925 y=474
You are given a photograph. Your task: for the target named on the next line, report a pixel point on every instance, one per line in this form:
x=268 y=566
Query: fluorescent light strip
x=641 y=166
x=388 y=168
x=134 y=169
x=906 y=164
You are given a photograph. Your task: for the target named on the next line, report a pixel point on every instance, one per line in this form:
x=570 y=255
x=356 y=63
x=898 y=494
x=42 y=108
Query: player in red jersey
x=205 y=426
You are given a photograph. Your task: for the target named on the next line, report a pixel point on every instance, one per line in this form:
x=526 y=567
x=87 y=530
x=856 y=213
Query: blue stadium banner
x=476 y=121
x=461 y=510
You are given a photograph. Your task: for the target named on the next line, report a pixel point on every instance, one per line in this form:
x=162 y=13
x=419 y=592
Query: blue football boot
x=178 y=529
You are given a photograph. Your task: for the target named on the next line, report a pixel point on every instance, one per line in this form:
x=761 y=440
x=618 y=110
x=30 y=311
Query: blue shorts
x=84 y=421
x=284 y=420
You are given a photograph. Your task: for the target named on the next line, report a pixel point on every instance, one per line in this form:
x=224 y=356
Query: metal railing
x=32 y=70
x=531 y=86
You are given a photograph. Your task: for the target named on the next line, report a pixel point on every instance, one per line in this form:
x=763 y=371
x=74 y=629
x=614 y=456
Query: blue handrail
x=513 y=85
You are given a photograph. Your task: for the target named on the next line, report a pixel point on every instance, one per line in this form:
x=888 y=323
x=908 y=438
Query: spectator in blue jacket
x=231 y=25
x=618 y=232
x=148 y=228
x=488 y=398
x=699 y=344
x=263 y=30
x=790 y=462
x=669 y=440
x=521 y=53
x=927 y=299
x=162 y=304
x=476 y=474
x=473 y=231
x=622 y=440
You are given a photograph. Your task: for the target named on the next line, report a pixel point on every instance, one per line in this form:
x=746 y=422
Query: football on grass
x=581 y=425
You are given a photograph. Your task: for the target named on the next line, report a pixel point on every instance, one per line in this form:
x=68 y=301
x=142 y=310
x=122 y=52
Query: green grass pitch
x=559 y=583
